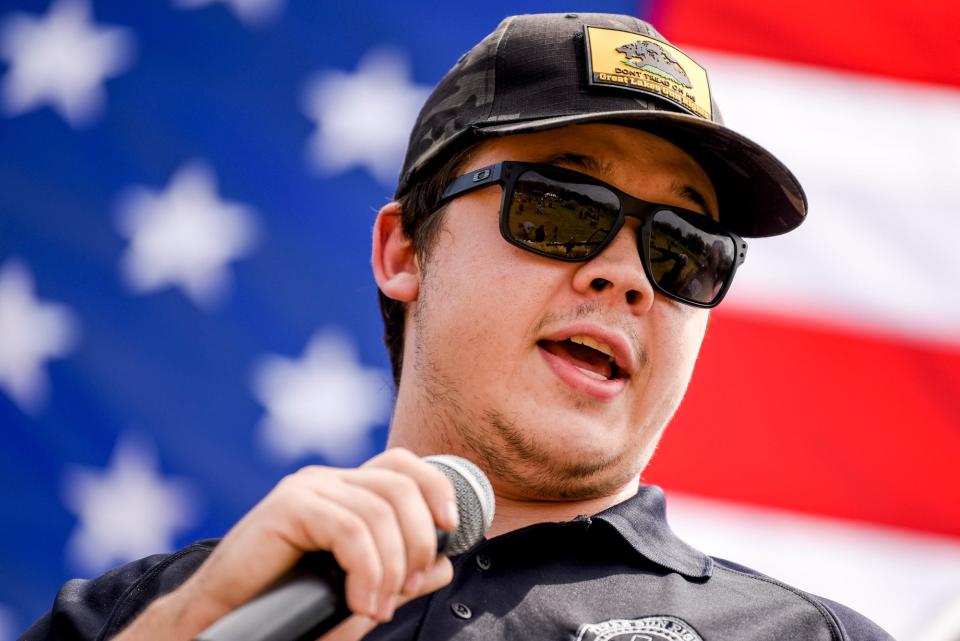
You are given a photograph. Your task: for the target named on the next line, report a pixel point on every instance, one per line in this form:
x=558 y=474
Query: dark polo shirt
x=621 y=575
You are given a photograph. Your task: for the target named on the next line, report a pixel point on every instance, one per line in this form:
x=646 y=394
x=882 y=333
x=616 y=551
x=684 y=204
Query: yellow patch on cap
x=636 y=62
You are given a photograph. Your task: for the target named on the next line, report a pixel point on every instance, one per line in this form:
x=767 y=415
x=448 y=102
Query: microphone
x=310 y=600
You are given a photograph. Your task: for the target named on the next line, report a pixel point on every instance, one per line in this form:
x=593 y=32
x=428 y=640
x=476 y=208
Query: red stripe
x=914 y=41
x=820 y=420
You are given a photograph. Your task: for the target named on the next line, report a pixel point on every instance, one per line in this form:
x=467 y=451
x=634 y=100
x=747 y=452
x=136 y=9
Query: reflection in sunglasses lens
x=566 y=219
x=688 y=261
x=560 y=218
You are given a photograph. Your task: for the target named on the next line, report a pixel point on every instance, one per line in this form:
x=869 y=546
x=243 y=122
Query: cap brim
x=758 y=195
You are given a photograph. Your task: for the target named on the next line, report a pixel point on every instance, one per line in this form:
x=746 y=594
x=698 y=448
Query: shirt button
x=461 y=610
x=483 y=561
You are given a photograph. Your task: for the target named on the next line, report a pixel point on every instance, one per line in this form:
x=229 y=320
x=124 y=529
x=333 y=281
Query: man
x=553 y=360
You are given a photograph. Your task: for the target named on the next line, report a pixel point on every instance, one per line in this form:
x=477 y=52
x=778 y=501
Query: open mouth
x=592 y=357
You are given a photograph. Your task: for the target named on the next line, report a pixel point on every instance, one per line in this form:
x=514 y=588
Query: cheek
x=494 y=305
x=678 y=342
x=465 y=284
x=690 y=333
x=488 y=280
x=483 y=298
x=673 y=353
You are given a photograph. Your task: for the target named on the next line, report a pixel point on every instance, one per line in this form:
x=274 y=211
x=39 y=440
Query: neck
x=514 y=510
x=516 y=513
x=422 y=429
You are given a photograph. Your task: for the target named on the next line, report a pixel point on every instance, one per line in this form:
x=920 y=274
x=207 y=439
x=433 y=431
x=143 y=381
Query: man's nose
x=617 y=274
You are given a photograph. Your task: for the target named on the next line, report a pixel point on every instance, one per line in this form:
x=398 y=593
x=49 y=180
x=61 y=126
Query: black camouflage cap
x=537 y=72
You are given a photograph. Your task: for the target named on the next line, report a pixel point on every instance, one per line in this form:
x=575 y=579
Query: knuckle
x=380 y=510
x=359 y=562
x=403 y=454
x=309 y=471
x=394 y=572
x=302 y=476
x=423 y=554
x=404 y=485
x=350 y=526
x=399 y=458
x=286 y=482
x=286 y=490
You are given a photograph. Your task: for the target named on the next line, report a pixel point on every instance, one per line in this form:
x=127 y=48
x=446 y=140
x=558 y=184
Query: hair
x=421 y=221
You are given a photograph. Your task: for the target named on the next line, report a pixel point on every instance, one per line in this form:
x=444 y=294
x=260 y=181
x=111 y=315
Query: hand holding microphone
x=380 y=524
x=311 y=601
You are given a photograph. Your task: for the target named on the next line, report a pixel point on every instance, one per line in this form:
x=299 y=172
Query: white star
x=126 y=511
x=31 y=332
x=364 y=118
x=184 y=236
x=62 y=60
x=248 y=11
x=324 y=403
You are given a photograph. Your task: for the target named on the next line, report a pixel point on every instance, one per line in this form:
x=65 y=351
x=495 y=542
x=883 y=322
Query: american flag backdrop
x=187 y=189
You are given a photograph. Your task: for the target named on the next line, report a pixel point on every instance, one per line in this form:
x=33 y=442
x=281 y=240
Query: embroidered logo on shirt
x=658 y=628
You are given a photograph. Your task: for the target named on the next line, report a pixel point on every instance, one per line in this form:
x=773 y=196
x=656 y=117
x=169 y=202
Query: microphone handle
x=307 y=603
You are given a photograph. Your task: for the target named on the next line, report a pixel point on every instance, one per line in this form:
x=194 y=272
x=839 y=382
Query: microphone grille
x=475 y=502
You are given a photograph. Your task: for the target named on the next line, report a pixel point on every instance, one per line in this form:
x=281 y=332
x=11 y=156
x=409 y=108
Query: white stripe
x=880 y=161
x=907 y=582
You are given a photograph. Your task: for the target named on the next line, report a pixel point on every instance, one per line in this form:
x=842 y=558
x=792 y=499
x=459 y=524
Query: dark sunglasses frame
x=507 y=173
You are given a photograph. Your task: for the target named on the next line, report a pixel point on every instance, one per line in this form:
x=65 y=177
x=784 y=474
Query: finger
x=438 y=575
x=350 y=629
x=290 y=521
x=417 y=527
x=382 y=523
x=435 y=487
x=354 y=545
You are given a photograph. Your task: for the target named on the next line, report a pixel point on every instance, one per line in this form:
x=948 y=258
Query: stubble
x=497 y=442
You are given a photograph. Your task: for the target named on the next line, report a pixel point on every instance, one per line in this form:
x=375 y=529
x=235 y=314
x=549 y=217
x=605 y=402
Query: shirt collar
x=642 y=521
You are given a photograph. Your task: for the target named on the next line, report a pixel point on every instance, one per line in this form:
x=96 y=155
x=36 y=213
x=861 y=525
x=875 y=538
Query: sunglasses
x=570 y=216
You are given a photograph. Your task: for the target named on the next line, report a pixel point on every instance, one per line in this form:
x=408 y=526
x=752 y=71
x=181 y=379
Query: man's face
x=488 y=360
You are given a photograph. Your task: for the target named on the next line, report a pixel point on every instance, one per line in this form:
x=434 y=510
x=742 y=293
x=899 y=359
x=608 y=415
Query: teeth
x=592 y=374
x=594 y=343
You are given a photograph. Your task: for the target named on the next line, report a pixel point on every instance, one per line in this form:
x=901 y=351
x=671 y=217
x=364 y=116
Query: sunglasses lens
x=560 y=217
x=687 y=261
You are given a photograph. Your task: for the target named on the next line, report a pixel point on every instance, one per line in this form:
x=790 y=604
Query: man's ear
x=395 y=263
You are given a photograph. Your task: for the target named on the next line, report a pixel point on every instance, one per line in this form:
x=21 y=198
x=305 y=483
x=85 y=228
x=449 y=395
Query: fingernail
x=414 y=581
x=452 y=514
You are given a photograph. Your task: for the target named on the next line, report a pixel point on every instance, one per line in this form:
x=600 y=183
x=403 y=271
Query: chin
x=580 y=434
x=544 y=463
x=580 y=479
